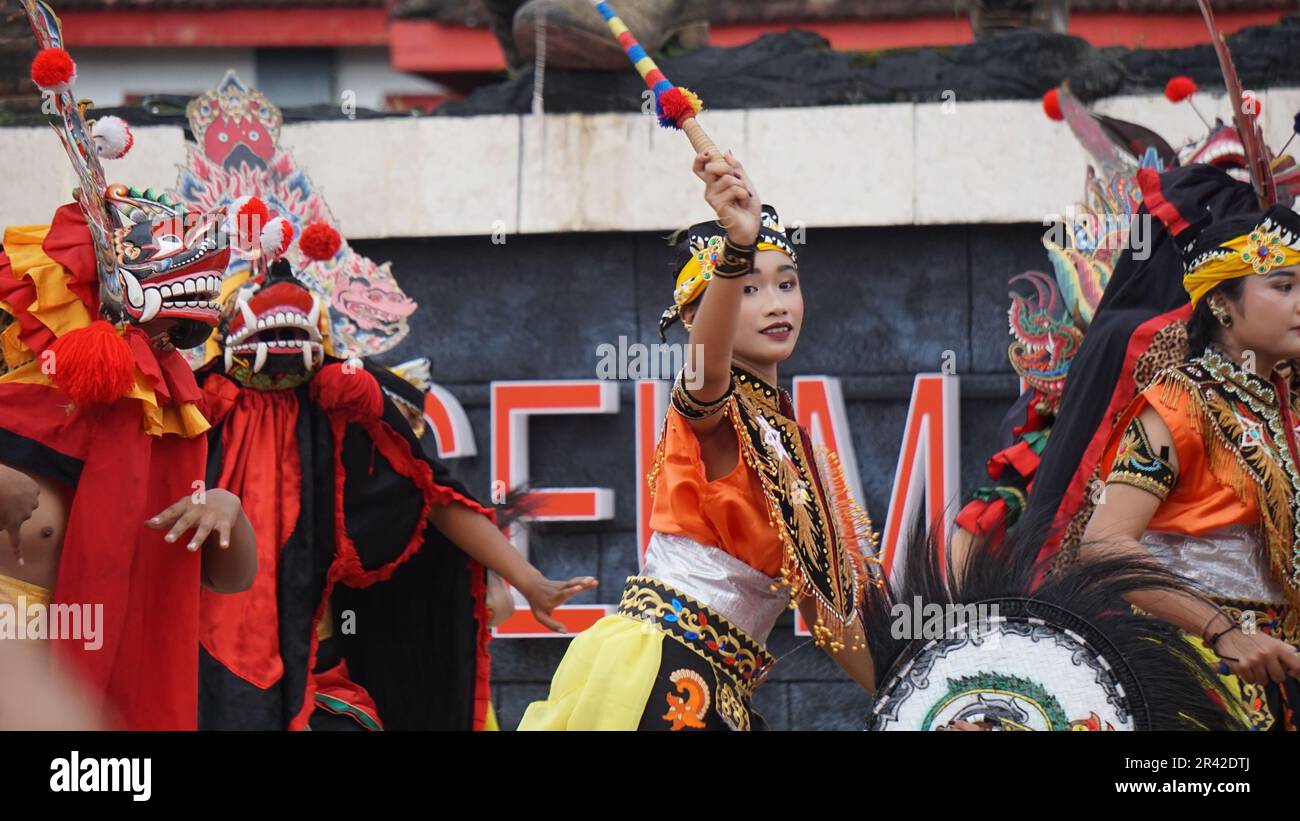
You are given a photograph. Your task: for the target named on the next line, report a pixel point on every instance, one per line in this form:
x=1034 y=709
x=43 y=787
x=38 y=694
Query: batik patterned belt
x=727 y=648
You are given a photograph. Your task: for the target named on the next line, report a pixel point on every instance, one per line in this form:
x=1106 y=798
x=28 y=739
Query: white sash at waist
x=730 y=587
x=1227 y=562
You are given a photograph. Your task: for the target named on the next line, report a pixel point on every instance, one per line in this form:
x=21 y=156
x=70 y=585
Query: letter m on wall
x=926 y=480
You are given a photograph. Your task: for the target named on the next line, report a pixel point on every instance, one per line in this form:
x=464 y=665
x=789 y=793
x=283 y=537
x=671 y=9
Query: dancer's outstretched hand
x=216 y=511
x=731 y=194
x=544 y=595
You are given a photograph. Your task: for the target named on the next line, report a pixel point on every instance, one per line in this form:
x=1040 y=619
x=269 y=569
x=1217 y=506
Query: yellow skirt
x=604 y=680
x=11 y=589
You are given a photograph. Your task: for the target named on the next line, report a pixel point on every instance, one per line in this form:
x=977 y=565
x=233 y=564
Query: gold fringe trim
x=830 y=630
x=848 y=535
x=1272 y=483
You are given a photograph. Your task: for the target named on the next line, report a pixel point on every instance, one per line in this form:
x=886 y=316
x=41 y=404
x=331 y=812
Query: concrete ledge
x=869 y=165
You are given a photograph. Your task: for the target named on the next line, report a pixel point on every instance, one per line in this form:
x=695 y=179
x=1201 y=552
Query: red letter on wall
x=450 y=425
x=651 y=407
x=512 y=404
x=928 y=466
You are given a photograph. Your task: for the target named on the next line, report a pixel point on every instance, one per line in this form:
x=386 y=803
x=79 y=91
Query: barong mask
x=154 y=260
x=167 y=265
x=274 y=330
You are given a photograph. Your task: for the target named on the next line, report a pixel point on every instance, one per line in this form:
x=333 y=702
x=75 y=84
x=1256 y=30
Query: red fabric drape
x=261 y=465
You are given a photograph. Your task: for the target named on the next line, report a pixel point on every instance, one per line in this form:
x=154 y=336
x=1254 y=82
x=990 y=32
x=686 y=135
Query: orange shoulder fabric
x=1199 y=502
x=729 y=513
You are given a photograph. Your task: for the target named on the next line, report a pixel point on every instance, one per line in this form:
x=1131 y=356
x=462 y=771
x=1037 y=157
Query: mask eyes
x=167 y=244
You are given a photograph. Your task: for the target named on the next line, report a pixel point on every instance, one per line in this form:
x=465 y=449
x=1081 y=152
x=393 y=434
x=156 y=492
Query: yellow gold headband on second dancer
x=1259 y=251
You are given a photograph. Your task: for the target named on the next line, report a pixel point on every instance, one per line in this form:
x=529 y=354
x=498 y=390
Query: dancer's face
x=771 y=310
x=1266 y=318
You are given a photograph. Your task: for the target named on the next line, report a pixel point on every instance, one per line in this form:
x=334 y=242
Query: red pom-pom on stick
x=1180 y=88
x=93 y=364
x=320 y=242
x=1052 y=104
x=676 y=106
x=53 y=69
x=1251 y=105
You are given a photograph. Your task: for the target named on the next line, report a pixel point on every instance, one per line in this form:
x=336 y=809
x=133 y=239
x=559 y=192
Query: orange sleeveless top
x=1198 y=502
x=729 y=513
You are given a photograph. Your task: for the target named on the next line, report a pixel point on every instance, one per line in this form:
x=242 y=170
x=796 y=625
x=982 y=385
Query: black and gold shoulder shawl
x=1250 y=442
x=827 y=536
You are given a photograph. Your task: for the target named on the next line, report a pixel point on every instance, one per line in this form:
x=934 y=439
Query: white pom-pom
x=276 y=237
x=112 y=137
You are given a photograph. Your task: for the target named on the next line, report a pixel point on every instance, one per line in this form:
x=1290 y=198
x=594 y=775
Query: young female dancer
x=747 y=520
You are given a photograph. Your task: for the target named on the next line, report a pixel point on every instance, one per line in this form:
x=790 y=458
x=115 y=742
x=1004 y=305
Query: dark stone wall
x=882 y=305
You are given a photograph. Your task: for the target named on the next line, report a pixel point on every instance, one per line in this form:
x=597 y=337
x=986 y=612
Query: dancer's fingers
x=201 y=533
x=223 y=530
x=548 y=622
x=581 y=583
x=169 y=515
x=702 y=159
x=183 y=525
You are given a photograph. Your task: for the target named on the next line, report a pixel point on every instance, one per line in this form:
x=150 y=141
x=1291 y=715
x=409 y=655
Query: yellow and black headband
x=1273 y=242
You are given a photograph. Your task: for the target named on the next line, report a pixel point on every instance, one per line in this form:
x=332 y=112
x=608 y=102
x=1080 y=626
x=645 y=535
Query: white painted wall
x=904 y=164
x=107 y=75
x=367 y=72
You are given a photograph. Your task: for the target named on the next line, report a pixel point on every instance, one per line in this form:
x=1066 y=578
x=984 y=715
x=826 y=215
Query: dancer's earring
x=1220 y=313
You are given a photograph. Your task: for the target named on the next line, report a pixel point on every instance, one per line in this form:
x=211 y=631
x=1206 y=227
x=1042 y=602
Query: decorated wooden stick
x=675 y=105
x=1245 y=116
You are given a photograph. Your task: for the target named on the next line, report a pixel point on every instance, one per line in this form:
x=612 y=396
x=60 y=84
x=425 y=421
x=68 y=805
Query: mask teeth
x=250 y=319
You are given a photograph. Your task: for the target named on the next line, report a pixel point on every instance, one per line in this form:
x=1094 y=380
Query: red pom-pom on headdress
x=1251 y=104
x=1180 y=88
x=1052 y=104
x=53 y=69
x=248 y=216
x=276 y=237
x=319 y=241
x=93 y=364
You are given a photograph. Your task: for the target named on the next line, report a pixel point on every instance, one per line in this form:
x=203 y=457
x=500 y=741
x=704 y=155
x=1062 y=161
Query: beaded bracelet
x=692 y=408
